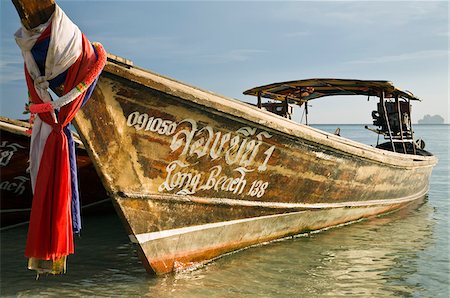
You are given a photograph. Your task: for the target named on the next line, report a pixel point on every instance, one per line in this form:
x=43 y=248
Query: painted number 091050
x=158 y=125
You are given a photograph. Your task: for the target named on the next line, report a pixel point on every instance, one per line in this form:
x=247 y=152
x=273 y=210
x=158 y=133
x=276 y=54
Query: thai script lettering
x=243 y=149
x=7 y=151
x=17 y=186
x=236 y=148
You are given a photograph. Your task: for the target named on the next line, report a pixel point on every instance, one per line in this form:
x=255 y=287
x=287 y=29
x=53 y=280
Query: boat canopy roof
x=305 y=90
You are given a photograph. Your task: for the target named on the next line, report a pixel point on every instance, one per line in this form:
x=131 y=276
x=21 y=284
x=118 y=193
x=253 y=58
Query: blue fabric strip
x=76 y=214
x=39 y=52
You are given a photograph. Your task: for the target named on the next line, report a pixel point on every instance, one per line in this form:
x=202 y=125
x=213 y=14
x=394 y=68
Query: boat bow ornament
x=57 y=56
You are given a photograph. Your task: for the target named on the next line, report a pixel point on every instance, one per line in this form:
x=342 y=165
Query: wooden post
x=33 y=13
x=259 y=100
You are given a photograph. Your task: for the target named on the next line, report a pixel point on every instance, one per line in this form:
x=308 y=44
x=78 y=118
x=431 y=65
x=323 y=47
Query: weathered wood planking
x=195 y=175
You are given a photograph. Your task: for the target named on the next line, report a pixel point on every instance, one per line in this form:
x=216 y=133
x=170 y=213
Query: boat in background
x=15 y=187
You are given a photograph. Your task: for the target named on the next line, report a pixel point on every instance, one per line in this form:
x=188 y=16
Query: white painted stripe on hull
x=276 y=205
x=145 y=237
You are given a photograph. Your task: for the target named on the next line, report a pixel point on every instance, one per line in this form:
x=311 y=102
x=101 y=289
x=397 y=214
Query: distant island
x=428 y=119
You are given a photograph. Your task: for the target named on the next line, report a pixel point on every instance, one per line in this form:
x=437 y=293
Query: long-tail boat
x=15 y=186
x=195 y=175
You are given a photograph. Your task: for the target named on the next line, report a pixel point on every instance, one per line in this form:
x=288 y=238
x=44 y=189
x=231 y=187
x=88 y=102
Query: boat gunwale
x=21 y=127
x=270 y=121
x=14 y=126
x=268 y=205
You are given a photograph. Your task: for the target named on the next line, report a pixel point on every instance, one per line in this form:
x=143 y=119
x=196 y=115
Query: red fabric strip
x=50 y=230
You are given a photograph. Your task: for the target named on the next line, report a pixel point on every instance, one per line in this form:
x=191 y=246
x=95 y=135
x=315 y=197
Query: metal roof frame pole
x=410 y=125
x=259 y=100
x=400 y=123
x=383 y=103
x=306 y=112
x=286 y=107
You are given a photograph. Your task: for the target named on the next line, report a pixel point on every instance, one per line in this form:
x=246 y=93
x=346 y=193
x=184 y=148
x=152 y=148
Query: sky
x=229 y=47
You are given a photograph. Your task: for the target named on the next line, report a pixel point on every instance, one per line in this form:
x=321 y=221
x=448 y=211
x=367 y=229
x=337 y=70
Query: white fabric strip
x=64 y=49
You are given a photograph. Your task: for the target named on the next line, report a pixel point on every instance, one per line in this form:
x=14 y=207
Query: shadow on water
x=103 y=260
x=372 y=257
x=375 y=257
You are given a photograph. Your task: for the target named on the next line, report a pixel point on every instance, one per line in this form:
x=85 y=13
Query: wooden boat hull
x=15 y=185
x=195 y=175
x=165 y=250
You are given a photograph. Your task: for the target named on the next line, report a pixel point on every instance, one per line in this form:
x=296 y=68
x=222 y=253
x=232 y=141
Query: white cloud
x=236 y=55
x=382 y=13
x=11 y=68
x=143 y=43
x=419 y=55
x=296 y=34
x=445 y=34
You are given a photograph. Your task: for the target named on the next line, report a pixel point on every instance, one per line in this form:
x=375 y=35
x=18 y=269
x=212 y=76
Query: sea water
x=403 y=254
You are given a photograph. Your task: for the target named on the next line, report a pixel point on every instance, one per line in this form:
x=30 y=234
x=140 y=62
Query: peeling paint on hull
x=195 y=175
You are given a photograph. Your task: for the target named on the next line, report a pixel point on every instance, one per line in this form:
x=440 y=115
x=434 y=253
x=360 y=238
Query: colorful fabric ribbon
x=55 y=54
